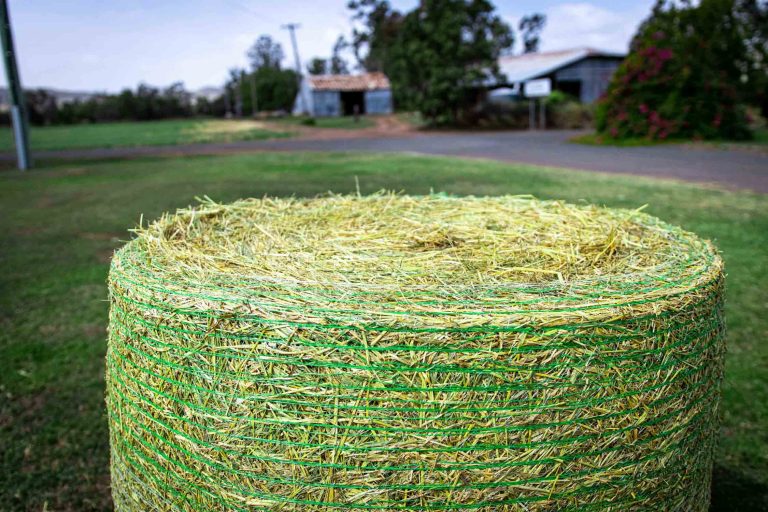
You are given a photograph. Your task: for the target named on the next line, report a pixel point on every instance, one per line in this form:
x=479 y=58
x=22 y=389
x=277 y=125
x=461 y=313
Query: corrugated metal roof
x=362 y=82
x=519 y=68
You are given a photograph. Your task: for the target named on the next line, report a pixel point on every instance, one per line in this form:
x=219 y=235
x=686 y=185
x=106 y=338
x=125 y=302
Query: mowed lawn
x=145 y=133
x=60 y=224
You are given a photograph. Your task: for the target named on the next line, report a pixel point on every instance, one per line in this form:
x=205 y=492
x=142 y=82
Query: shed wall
x=378 y=101
x=594 y=73
x=326 y=103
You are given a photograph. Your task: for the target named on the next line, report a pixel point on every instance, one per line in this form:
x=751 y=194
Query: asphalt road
x=731 y=168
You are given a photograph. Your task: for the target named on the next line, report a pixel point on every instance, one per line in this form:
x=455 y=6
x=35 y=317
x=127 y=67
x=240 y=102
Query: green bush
x=562 y=112
x=570 y=114
x=681 y=78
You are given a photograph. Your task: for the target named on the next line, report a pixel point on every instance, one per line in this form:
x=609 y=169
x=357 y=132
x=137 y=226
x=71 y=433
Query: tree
x=41 y=107
x=376 y=33
x=683 y=76
x=445 y=51
x=337 y=64
x=753 y=15
x=530 y=27
x=265 y=53
x=317 y=66
x=275 y=89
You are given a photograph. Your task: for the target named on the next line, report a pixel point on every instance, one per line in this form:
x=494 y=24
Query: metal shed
x=582 y=72
x=337 y=95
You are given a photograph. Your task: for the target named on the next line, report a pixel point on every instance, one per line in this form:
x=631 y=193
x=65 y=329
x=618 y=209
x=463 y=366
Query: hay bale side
x=413 y=353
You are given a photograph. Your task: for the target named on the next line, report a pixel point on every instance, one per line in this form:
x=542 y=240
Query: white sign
x=537 y=88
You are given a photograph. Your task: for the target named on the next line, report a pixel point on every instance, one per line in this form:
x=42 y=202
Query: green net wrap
x=413 y=353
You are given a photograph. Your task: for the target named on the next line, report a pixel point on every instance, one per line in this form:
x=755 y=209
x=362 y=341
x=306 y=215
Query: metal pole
x=542 y=115
x=291 y=27
x=15 y=91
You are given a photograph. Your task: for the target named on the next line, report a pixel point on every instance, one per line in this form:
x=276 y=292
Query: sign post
x=533 y=89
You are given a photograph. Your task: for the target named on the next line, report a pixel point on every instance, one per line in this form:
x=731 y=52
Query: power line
x=291 y=27
x=15 y=91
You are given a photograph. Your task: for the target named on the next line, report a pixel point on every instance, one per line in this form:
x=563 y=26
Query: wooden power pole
x=15 y=92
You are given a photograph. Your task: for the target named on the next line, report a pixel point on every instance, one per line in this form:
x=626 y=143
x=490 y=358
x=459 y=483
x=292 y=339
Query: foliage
x=445 y=51
x=317 y=66
x=146 y=103
x=337 y=63
x=41 y=107
x=530 y=27
x=372 y=41
x=438 y=55
x=265 y=53
x=275 y=89
x=562 y=111
x=682 y=78
x=753 y=15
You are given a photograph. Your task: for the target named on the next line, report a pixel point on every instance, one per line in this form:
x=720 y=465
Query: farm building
x=580 y=72
x=343 y=95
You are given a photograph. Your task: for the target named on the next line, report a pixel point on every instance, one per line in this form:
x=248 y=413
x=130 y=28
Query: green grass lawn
x=146 y=133
x=345 y=122
x=60 y=224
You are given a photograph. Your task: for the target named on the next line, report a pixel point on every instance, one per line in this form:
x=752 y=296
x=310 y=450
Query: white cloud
x=585 y=24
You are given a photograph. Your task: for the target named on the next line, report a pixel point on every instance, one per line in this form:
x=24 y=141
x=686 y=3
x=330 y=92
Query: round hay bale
x=413 y=353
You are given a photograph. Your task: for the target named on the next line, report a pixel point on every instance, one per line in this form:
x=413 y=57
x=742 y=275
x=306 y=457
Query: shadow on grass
x=737 y=492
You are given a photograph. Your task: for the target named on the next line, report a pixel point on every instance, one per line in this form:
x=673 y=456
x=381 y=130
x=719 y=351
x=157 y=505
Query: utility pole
x=15 y=92
x=291 y=27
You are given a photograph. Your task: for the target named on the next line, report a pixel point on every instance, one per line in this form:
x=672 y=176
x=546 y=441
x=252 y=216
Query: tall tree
x=337 y=64
x=530 y=28
x=265 y=53
x=753 y=17
x=444 y=52
x=317 y=66
x=376 y=31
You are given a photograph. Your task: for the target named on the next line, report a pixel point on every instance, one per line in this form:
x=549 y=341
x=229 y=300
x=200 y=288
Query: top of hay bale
x=353 y=259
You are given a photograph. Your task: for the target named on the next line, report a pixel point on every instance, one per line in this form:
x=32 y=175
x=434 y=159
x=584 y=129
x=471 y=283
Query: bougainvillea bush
x=681 y=78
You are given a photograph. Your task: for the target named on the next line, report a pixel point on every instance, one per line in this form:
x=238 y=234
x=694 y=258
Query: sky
x=109 y=45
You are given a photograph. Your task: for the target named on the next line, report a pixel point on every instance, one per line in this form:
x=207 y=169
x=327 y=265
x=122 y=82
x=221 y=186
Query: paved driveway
x=738 y=169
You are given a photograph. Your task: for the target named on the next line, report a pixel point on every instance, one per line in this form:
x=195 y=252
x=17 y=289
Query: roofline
x=588 y=50
x=584 y=52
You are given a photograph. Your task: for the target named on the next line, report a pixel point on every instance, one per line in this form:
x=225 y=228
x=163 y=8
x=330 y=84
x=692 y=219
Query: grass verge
x=60 y=224
x=146 y=133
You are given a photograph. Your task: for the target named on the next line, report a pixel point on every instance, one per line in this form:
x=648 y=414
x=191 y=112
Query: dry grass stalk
x=413 y=353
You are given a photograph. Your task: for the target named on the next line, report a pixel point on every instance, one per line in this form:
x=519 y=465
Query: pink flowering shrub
x=680 y=79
